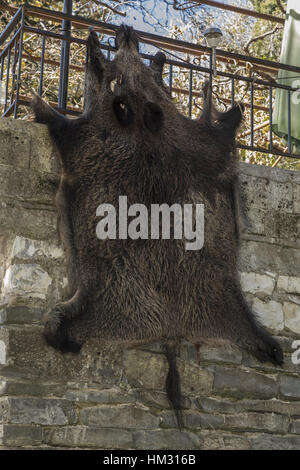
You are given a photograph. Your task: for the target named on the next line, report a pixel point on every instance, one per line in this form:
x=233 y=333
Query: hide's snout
x=126 y=37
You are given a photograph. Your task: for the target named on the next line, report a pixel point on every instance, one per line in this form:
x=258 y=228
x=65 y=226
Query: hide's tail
x=173 y=383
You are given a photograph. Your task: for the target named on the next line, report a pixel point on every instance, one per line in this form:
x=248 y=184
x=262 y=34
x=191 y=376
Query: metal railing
x=12 y=56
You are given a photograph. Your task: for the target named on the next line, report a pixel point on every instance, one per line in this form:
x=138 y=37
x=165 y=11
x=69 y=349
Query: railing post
x=289 y=122
x=211 y=72
x=42 y=65
x=19 y=61
x=252 y=114
x=170 y=78
x=64 y=58
x=271 y=117
x=190 y=93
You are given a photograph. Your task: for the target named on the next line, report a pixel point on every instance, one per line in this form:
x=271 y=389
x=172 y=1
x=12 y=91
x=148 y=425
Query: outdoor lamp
x=213 y=37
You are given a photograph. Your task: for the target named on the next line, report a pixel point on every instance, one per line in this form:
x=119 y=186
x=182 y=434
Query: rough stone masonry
x=115 y=399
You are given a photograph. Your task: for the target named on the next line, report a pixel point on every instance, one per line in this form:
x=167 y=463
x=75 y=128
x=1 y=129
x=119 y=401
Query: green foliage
x=268 y=6
x=269 y=47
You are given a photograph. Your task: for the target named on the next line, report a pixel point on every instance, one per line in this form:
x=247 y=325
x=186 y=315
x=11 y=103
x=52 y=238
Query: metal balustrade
x=13 y=55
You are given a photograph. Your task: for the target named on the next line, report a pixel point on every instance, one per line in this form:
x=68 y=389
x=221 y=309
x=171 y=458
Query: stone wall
x=115 y=398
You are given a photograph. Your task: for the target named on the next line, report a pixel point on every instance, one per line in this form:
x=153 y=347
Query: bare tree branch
x=280 y=6
x=109 y=7
x=184 y=6
x=261 y=36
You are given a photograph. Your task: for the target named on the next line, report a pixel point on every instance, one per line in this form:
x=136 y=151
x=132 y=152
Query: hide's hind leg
x=57 y=322
x=223 y=314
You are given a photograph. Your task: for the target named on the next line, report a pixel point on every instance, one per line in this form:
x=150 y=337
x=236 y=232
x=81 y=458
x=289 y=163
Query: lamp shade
x=213 y=36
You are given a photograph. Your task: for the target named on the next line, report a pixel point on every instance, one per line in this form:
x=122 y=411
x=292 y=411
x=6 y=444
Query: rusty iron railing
x=13 y=54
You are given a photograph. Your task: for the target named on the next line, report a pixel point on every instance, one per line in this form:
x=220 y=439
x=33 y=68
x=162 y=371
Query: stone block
x=259 y=199
x=241 y=383
x=230 y=406
x=194 y=419
x=151 y=377
x=281 y=225
x=289 y=387
x=195 y=380
x=289 y=284
x=263 y=193
x=256 y=221
x=294 y=298
x=157 y=399
x=297 y=198
x=269 y=313
x=26 y=280
x=269 y=442
x=292 y=316
x=116 y=396
x=15 y=138
x=295 y=427
x=88 y=437
x=260 y=256
x=226 y=353
x=28 y=249
x=9 y=387
x=119 y=416
x=259 y=422
x=21 y=435
x=43 y=411
x=274 y=174
x=166 y=439
x=223 y=441
x=30 y=220
x=29 y=356
x=44 y=155
x=259 y=284
x=21 y=315
x=280 y=196
x=217 y=405
x=3 y=353
x=27 y=185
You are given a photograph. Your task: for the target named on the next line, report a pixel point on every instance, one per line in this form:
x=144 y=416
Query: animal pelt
x=131 y=140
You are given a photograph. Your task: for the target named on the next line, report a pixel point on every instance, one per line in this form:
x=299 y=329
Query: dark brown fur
x=137 y=291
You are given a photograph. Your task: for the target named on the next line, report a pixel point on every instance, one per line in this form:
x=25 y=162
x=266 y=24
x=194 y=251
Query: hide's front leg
x=58 y=320
x=58 y=124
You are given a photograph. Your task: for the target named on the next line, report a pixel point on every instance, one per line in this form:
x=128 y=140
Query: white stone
x=269 y=313
x=25 y=248
x=289 y=284
x=26 y=280
x=292 y=316
x=2 y=316
x=2 y=352
x=3 y=385
x=294 y=298
x=268 y=273
x=257 y=283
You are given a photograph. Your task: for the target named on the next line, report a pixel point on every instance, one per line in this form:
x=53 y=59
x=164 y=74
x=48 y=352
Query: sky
x=159 y=10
